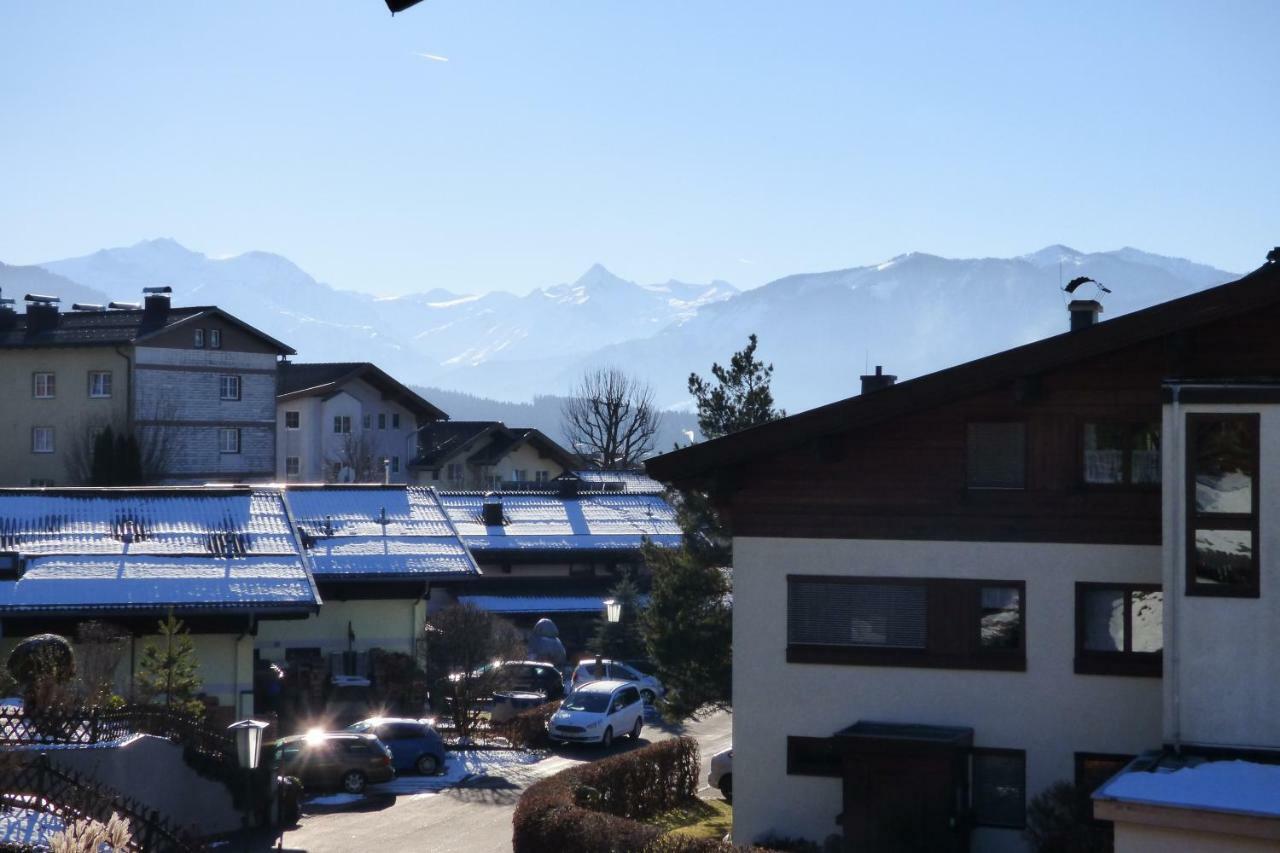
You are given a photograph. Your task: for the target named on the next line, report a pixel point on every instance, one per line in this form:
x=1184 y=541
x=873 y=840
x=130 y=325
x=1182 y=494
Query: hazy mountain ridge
x=914 y=313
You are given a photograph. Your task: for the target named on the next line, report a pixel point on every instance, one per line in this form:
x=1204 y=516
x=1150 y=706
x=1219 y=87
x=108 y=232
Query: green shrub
x=596 y=808
x=1060 y=820
x=528 y=729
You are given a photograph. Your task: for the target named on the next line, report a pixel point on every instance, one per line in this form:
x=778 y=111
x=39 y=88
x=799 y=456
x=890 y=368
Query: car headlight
x=595 y=724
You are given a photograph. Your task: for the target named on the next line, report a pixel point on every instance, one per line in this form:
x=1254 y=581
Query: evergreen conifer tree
x=102 y=470
x=739 y=399
x=167 y=670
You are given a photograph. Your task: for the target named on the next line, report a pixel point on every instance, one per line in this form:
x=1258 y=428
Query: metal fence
x=38 y=785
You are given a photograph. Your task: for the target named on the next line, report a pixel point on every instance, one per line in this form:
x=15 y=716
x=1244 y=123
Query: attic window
x=11 y=565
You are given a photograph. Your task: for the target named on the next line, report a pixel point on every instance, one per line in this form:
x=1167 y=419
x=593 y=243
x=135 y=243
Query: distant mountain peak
x=1049 y=255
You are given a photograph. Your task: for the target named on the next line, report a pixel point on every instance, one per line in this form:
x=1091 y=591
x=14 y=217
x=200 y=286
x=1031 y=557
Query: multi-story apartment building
x=346 y=423
x=488 y=455
x=952 y=592
x=195 y=386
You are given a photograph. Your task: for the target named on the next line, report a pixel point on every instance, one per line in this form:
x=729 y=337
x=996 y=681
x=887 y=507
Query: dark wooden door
x=904 y=804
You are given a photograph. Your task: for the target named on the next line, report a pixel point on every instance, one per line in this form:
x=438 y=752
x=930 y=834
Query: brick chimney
x=42 y=313
x=1084 y=313
x=877 y=380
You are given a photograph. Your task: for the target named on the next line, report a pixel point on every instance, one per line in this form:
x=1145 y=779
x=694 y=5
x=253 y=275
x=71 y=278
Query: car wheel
x=428 y=764
x=635 y=730
x=648 y=696
x=353 y=781
x=606 y=739
x=726 y=787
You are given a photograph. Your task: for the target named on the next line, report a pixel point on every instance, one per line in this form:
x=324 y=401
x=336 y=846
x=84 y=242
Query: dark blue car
x=414 y=745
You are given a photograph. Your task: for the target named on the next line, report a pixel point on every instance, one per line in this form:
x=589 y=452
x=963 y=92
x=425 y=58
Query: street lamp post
x=612 y=615
x=248 y=735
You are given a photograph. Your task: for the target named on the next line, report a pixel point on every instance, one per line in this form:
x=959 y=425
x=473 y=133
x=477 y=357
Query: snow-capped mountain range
x=913 y=314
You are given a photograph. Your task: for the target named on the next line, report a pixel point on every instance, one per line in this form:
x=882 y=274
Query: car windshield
x=365 y=726
x=583 y=701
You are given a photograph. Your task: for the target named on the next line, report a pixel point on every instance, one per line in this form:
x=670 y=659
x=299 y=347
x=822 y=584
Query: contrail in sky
x=433 y=57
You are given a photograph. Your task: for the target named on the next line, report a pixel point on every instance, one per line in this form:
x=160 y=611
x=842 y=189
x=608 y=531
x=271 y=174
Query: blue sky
x=696 y=140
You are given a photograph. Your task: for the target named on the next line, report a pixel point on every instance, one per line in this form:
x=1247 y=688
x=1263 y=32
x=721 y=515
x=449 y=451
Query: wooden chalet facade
x=952 y=592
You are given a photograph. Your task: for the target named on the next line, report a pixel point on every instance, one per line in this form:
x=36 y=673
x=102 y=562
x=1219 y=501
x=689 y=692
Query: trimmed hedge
x=595 y=808
x=528 y=729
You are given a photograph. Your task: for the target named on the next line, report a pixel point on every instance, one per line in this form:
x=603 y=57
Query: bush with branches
x=1060 y=820
x=462 y=641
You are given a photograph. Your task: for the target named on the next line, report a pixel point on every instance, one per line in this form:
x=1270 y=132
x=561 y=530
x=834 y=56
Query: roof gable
x=305 y=379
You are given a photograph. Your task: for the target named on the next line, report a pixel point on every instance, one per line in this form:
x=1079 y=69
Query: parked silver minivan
x=597 y=712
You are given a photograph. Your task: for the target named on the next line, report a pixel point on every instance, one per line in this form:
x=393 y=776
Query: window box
x=942 y=623
x=1119 y=629
x=1222 y=469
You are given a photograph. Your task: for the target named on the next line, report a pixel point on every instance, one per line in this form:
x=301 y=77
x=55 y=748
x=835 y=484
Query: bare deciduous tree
x=612 y=417
x=358 y=458
x=462 y=643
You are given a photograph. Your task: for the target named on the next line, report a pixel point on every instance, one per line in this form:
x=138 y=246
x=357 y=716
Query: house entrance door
x=905 y=788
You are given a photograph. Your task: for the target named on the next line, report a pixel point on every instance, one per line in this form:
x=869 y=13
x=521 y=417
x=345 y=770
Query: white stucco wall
x=390 y=624
x=1048 y=710
x=1222 y=655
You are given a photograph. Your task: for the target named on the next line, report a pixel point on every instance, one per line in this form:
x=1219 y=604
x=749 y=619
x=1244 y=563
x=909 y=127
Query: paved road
x=473 y=818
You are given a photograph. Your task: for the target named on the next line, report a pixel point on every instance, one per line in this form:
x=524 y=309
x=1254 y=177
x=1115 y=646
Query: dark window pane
x=1144 y=464
x=1001 y=617
x=997 y=455
x=857 y=614
x=999 y=795
x=1223 y=557
x=1104 y=450
x=1146 y=614
x=1224 y=452
x=1104 y=627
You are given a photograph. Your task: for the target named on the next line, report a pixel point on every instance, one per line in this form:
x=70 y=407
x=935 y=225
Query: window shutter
x=857 y=614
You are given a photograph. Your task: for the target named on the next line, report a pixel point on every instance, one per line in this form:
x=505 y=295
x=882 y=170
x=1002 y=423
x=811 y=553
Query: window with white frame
x=519 y=475
x=42 y=386
x=382 y=420
x=215 y=339
x=292 y=420
x=342 y=424
x=42 y=439
x=198 y=340
x=229 y=387
x=292 y=466
x=99 y=384
x=229 y=440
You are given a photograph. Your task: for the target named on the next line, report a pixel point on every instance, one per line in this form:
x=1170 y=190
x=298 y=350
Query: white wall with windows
x=1047 y=709
x=1222 y=492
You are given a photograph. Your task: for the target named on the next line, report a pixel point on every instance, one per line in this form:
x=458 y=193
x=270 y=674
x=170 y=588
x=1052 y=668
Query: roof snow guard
x=378 y=533
x=87 y=551
x=600 y=523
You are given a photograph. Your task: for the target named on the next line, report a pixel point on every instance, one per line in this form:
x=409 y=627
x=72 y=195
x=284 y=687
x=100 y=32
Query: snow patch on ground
x=336 y=800
x=1229 y=786
x=27 y=826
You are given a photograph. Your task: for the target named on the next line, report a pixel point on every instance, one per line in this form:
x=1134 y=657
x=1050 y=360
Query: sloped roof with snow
x=392 y=532
x=105 y=550
x=544 y=522
x=628 y=481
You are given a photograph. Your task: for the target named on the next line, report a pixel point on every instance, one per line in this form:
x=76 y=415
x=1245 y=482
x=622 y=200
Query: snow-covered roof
x=1237 y=787
x=88 y=550
x=590 y=522
x=630 y=481
x=378 y=532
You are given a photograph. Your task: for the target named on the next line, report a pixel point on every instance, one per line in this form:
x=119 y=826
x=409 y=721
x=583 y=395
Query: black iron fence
x=38 y=785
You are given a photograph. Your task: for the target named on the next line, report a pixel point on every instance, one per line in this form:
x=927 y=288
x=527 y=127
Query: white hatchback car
x=598 y=711
x=650 y=688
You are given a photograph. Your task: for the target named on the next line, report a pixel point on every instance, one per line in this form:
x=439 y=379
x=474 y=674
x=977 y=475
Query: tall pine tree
x=167 y=670
x=739 y=398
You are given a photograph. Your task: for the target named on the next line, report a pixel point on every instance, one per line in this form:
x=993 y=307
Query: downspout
x=128 y=398
x=1178 y=503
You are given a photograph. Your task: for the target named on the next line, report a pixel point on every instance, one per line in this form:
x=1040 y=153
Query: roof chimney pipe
x=155 y=309
x=42 y=313
x=877 y=380
x=1084 y=313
